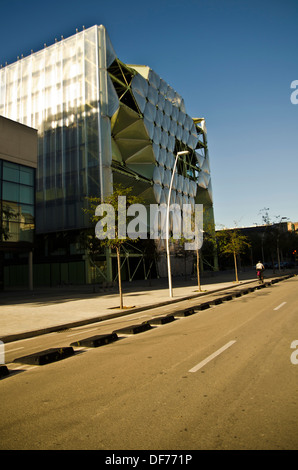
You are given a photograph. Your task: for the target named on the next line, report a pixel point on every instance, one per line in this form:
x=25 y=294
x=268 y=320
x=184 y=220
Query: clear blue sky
x=233 y=62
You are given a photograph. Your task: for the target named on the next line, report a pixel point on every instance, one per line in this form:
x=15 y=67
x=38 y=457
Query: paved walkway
x=24 y=313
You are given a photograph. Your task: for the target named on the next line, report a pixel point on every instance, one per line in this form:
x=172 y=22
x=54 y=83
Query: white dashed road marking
x=212 y=356
x=279 y=306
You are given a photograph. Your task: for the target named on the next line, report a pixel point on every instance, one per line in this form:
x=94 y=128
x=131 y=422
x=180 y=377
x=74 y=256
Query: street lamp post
x=184 y=152
x=277 y=241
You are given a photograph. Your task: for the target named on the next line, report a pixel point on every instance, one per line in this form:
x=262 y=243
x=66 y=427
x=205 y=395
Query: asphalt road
x=219 y=379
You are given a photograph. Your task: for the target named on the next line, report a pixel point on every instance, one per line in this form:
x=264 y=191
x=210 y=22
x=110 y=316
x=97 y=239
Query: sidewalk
x=26 y=314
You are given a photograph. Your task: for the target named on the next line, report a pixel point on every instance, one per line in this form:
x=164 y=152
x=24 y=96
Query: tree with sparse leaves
x=111 y=224
x=231 y=242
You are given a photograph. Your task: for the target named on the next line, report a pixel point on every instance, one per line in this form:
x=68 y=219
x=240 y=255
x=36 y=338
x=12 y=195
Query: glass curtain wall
x=56 y=91
x=17 y=202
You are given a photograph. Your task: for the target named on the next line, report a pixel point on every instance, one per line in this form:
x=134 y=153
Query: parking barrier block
x=216 y=301
x=134 y=329
x=184 y=313
x=202 y=306
x=161 y=320
x=45 y=357
x=96 y=341
x=3 y=371
x=227 y=297
x=244 y=291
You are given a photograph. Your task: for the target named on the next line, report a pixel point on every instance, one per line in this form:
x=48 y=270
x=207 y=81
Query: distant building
x=292 y=226
x=274 y=244
x=18 y=162
x=100 y=122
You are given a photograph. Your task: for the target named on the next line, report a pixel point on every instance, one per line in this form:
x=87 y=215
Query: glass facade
x=56 y=91
x=17 y=194
x=99 y=122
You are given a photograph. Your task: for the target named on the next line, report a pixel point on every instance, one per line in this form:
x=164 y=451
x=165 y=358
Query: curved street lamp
x=184 y=152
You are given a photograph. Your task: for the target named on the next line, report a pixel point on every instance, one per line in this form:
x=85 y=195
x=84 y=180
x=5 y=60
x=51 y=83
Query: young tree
x=275 y=237
x=109 y=214
x=209 y=241
x=183 y=240
x=208 y=237
x=232 y=242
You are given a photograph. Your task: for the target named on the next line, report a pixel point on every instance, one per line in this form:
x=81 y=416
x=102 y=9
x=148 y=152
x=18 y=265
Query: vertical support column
x=99 y=110
x=104 y=130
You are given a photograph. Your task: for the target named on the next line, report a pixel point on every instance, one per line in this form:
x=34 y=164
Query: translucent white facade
x=100 y=121
x=60 y=91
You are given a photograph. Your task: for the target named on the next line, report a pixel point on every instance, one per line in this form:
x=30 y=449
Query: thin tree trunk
x=119 y=276
x=236 y=272
x=198 y=270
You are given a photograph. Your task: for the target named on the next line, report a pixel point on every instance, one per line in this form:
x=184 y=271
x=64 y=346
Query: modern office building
x=100 y=122
x=18 y=162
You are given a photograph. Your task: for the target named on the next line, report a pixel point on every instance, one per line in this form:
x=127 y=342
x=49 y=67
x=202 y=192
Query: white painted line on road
x=279 y=306
x=212 y=356
x=23 y=367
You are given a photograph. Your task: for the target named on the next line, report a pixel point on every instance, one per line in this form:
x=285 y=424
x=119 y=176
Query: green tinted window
x=11 y=191
x=11 y=172
x=27 y=176
x=26 y=195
